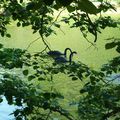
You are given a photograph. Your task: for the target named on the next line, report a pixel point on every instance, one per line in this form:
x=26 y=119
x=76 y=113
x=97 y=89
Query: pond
x=114 y=78
x=22 y=37
x=6 y=110
x=90 y=55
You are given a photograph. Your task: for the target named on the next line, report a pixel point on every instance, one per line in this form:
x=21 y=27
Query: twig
x=41 y=32
x=57 y=19
x=32 y=42
x=43 y=50
x=62 y=31
x=47 y=46
x=92 y=44
x=95 y=31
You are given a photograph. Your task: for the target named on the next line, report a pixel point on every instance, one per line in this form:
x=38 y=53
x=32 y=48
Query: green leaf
x=25 y=72
x=35 y=67
x=102 y=74
x=18 y=24
x=70 y=9
x=8 y=35
x=28 y=56
x=56 y=25
x=1 y=99
x=118 y=118
x=46 y=105
x=47 y=95
x=31 y=5
x=18 y=101
x=92 y=78
x=21 y=1
x=2 y=33
x=83 y=90
x=41 y=79
x=1 y=46
x=55 y=71
x=87 y=6
x=31 y=77
x=71 y=75
x=57 y=5
x=110 y=45
x=35 y=63
x=74 y=78
x=100 y=0
x=118 y=49
x=48 y=2
x=65 y=2
x=16 y=112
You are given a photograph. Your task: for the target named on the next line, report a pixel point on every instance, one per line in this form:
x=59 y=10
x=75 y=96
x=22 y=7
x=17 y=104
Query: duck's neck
x=65 y=52
x=71 y=56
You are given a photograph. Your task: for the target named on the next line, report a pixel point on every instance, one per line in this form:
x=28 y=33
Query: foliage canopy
x=100 y=96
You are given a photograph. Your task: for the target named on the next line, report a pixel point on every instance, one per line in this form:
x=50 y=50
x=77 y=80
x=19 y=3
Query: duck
x=56 y=54
x=61 y=59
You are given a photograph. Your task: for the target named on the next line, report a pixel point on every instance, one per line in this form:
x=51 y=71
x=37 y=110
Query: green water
x=22 y=37
x=94 y=57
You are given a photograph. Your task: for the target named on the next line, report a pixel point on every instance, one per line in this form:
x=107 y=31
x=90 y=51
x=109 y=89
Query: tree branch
x=41 y=31
x=92 y=44
x=94 y=29
x=57 y=19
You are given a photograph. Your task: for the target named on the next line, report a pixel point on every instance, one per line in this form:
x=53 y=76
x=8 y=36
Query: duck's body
x=55 y=53
x=61 y=59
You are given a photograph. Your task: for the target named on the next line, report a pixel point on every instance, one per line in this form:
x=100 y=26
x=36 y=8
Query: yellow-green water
x=22 y=37
x=94 y=57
